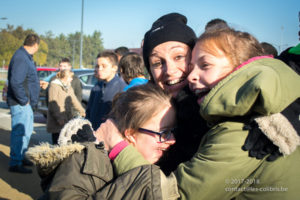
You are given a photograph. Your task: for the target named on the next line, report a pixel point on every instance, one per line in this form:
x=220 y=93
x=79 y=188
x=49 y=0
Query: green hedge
x=1 y=85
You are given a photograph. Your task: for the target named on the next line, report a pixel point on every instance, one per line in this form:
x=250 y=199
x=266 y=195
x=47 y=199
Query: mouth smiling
x=201 y=93
x=174 y=82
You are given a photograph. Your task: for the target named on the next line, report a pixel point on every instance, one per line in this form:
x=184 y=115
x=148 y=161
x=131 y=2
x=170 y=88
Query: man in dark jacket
x=22 y=95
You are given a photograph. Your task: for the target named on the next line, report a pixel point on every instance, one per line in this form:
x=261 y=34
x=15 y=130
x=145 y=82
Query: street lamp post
x=73 y=56
x=3 y=61
x=81 y=35
x=281 y=35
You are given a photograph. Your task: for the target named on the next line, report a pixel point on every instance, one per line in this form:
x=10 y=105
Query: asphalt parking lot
x=16 y=186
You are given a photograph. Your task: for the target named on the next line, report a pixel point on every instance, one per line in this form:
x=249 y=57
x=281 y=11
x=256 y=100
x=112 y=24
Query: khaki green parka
x=221 y=169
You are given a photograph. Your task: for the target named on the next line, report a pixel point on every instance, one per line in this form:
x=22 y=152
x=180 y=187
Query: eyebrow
x=174 y=47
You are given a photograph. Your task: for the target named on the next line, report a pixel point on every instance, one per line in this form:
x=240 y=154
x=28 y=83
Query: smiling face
x=148 y=143
x=169 y=65
x=207 y=69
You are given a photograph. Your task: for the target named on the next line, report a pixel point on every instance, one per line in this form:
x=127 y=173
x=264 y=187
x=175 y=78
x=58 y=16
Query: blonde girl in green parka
x=233 y=79
x=234 y=82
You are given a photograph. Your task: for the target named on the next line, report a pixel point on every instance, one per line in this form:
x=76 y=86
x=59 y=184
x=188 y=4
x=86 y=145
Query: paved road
x=12 y=185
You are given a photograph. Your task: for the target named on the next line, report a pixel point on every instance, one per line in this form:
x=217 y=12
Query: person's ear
x=115 y=68
x=130 y=137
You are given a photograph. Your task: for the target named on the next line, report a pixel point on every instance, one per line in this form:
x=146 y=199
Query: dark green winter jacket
x=84 y=171
x=221 y=169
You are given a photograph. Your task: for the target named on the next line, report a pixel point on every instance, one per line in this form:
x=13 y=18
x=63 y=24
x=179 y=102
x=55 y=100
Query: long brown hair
x=63 y=73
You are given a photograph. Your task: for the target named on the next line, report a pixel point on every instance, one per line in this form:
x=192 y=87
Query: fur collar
x=46 y=155
x=280 y=131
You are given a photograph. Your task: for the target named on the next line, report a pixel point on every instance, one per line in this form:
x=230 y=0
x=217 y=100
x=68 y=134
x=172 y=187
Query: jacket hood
x=58 y=82
x=70 y=129
x=47 y=157
x=280 y=131
x=261 y=90
x=262 y=87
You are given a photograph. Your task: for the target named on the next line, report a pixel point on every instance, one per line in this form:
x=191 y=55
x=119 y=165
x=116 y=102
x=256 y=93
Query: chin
x=154 y=161
x=176 y=88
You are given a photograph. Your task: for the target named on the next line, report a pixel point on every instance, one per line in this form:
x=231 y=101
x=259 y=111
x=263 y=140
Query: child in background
x=108 y=85
x=132 y=70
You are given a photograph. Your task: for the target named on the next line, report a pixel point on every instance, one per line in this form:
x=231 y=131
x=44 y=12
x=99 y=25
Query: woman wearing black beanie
x=167 y=48
x=167 y=51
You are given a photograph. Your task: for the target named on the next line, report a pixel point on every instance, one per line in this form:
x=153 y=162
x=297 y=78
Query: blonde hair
x=237 y=46
x=136 y=106
x=64 y=73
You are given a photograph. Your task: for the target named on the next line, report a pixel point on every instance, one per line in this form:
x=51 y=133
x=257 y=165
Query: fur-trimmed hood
x=73 y=171
x=70 y=129
x=57 y=81
x=47 y=157
x=280 y=131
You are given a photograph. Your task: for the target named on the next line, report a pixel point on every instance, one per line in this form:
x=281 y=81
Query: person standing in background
x=121 y=51
x=65 y=64
x=132 y=70
x=216 y=24
x=63 y=104
x=269 y=49
x=22 y=95
x=108 y=85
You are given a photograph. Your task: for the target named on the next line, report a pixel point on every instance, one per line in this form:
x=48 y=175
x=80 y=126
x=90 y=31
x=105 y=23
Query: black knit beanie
x=170 y=27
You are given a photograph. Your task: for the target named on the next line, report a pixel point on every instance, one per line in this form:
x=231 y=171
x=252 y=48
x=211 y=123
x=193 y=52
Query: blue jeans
x=21 y=130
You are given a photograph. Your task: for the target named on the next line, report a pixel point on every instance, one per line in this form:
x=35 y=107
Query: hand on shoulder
x=109 y=134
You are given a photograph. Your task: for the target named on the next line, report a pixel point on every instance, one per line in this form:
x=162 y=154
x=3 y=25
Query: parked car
x=88 y=80
x=42 y=72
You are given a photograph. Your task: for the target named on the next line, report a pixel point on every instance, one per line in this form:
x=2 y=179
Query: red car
x=43 y=72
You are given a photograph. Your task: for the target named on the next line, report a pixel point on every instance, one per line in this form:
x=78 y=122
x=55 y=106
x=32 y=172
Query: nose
x=169 y=67
x=193 y=76
x=171 y=140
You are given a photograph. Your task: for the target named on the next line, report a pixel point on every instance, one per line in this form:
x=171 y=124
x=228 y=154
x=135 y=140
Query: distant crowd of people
x=208 y=117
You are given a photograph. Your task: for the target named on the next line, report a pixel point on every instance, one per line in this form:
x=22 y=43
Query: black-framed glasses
x=164 y=135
